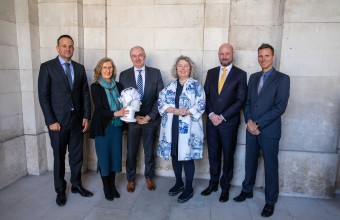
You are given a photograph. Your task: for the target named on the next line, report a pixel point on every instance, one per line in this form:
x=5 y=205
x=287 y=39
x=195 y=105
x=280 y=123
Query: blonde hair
x=98 y=68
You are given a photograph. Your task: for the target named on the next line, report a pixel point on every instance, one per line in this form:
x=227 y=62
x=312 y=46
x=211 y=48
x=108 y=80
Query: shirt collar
x=228 y=67
x=143 y=68
x=268 y=72
x=63 y=61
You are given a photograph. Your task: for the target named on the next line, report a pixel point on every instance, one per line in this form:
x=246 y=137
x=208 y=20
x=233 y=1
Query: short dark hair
x=266 y=46
x=65 y=35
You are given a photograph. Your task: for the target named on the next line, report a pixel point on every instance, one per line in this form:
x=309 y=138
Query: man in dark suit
x=65 y=102
x=226 y=90
x=149 y=83
x=268 y=93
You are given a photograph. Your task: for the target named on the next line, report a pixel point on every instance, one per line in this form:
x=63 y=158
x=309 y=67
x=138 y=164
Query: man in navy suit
x=268 y=93
x=65 y=102
x=226 y=90
x=149 y=82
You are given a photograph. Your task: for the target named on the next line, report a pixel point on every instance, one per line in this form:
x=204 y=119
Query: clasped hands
x=253 y=128
x=215 y=119
x=178 y=111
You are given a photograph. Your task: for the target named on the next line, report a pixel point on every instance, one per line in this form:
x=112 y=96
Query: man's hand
x=215 y=119
x=85 y=124
x=252 y=128
x=54 y=127
x=143 y=120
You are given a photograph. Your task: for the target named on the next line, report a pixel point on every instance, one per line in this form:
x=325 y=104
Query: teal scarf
x=112 y=95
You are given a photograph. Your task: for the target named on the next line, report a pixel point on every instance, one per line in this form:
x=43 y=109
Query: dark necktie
x=140 y=84
x=68 y=74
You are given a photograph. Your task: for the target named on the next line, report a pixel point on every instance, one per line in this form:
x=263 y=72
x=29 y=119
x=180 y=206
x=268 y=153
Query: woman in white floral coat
x=181 y=104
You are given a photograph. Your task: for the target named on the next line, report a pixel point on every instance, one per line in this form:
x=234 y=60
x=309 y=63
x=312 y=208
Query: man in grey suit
x=65 y=102
x=268 y=93
x=149 y=83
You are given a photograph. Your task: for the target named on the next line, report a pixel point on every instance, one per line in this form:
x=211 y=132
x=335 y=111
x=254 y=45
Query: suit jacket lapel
x=147 y=77
x=268 y=81
x=76 y=75
x=214 y=80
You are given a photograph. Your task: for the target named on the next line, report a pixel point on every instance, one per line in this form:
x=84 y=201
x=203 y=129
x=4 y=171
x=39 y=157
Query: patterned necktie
x=262 y=80
x=222 y=79
x=140 y=84
x=68 y=74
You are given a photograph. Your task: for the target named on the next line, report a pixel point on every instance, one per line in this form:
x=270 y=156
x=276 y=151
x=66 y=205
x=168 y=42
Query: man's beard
x=226 y=63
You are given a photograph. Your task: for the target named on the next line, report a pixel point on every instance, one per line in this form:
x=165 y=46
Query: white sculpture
x=130 y=99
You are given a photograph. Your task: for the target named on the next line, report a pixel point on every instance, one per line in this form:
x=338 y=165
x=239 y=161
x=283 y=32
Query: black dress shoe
x=187 y=194
x=61 y=199
x=268 y=210
x=82 y=191
x=224 y=196
x=243 y=196
x=209 y=190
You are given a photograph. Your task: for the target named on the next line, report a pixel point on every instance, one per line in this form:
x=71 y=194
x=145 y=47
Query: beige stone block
x=35 y=46
x=24 y=46
x=164 y=60
x=7 y=10
x=94 y=2
x=303 y=173
x=36 y=154
x=33 y=10
x=9 y=36
x=321 y=89
x=67 y=14
x=249 y=12
x=178 y=2
x=126 y=38
x=26 y=80
x=179 y=39
x=251 y=37
x=306 y=47
x=28 y=110
x=247 y=61
x=310 y=126
x=214 y=37
x=217 y=15
x=47 y=54
x=312 y=11
x=9 y=60
x=91 y=156
x=12 y=160
x=217 y=1
x=11 y=126
x=50 y=34
x=189 y=16
x=9 y=81
x=131 y=16
x=22 y=10
x=91 y=58
x=130 y=2
x=121 y=58
x=13 y=104
x=94 y=38
x=94 y=15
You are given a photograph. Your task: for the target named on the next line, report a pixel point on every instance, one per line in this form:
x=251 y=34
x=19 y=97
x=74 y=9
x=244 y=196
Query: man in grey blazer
x=149 y=82
x=268 y=93
x=65 y=102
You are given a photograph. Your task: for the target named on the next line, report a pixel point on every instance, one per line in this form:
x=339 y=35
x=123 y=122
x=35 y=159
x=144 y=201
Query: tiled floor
x=33 y=197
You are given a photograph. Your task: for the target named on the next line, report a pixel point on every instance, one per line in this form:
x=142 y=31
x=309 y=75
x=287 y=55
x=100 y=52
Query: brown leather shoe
x=131 y=187
x=150 y=184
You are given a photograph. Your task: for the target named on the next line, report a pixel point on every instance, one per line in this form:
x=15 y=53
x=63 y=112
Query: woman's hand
x=121 y=113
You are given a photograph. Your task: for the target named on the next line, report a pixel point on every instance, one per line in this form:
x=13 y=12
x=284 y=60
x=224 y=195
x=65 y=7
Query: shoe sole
x=177 y=192
x=186 y=199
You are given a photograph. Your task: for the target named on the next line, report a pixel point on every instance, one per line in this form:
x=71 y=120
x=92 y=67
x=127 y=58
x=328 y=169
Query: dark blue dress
x=175 y=123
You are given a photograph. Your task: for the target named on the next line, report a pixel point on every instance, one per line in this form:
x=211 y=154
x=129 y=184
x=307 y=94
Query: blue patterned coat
x=190 y=139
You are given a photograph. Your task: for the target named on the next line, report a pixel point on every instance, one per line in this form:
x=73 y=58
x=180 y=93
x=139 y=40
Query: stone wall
x=303 y=33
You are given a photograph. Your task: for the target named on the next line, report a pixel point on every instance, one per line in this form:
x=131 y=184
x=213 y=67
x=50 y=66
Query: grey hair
x=191 y=63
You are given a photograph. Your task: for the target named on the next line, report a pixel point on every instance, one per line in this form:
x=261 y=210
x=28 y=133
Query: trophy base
x=128 y=119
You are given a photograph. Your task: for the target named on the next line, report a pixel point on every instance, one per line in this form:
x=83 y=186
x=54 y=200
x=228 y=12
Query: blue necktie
x=140 y=84
x=262 y=81
x=68 y=74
